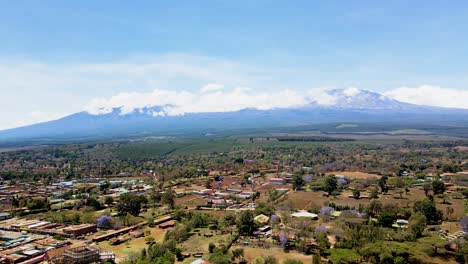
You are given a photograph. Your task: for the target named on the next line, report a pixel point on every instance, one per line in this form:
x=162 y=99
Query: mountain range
x=344 y=106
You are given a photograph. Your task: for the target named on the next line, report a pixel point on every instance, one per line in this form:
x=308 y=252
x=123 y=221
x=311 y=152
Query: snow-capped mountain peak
x=164 y=112
x=353 y=98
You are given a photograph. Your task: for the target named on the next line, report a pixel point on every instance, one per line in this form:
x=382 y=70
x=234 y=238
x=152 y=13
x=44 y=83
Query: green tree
x=298 y=182
x=438 y=187
x=427 y=208
x=208 y=184
x=385 y=220
x=168 y=198
x=383 y=184
x=264 y=208
x=149 y=239
x=399 y=260
x=427 y=188
x=259 y=260
x=292 y=261
x=108 y=200
x=316 y=259
x=270 y=260
x=129 y=203
x=356 y=194
x=374 y=193
x=246 y=223
x=449 y=210
x=330 y=184
x=219 y=257
x=238 y=253
x=322 y=242
x=374 y=207
x=160 y=253
x=417 y=224
x=93 y=202
x=211 y=247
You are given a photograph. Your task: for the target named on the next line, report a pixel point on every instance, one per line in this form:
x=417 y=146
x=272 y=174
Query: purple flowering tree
x=104 y=222
x=308 y=178
x=283 y=239
x=342 y=182
x=464 y=223
x=327 y=210
x=321 y=228
x=357 y=214
x=274 y=219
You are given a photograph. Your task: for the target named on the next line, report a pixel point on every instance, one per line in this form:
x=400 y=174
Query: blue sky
x=58 y=56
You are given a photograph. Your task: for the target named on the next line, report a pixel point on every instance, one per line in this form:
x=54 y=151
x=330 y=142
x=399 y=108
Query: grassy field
x=251 y=253
x=198 y=243
x=189 y=201
x=134 y=246
x=158 y=149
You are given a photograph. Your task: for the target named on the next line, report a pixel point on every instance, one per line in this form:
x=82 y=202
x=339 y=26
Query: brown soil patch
x=190 y=200
x=355 y=174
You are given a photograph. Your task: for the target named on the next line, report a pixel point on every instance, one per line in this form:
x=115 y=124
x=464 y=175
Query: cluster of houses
x=223 y=199
x=20 y=248
x=47 y=228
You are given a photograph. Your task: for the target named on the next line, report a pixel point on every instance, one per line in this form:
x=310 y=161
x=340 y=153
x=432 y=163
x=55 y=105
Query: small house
x=278 y=181
x=167 y=224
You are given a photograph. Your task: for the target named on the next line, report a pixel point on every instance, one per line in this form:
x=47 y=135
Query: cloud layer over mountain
x=215 y=98
x=431 y=95
x=34 y=91
x=210 y=99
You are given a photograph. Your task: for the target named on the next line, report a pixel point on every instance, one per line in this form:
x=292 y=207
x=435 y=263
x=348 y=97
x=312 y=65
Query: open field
x=183 y=147
x=198 y=243
x=176 y=147
x=375 y=136
x=134 y=246
x=252 y=252
x=354 y=174
x=462 y=148
x=189 y=200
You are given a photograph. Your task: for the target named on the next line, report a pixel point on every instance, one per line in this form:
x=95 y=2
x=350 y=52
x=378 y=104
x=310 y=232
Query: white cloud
x=211 y=87
x=321 y=97
x=431 y=95
x=57 y=88
x=54 y=88
x=182 y=102
x=352 y=91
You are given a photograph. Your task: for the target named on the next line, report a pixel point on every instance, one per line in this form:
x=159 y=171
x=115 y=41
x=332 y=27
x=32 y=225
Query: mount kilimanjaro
x=344 y=106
